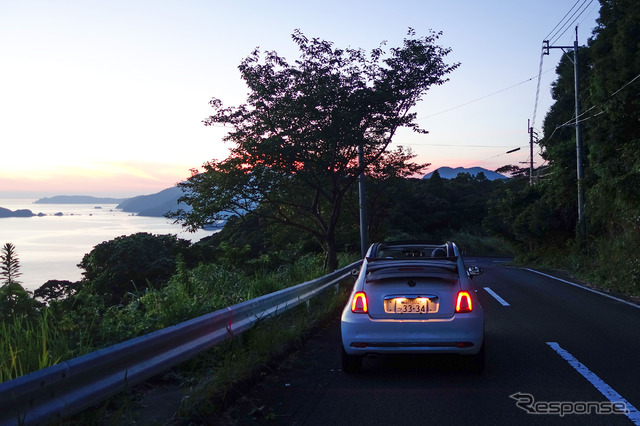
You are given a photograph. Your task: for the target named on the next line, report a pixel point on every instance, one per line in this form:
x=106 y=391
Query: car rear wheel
x=351 y=364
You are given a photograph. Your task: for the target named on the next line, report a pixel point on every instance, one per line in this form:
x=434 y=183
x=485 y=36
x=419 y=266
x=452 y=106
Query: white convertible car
x=413 y=297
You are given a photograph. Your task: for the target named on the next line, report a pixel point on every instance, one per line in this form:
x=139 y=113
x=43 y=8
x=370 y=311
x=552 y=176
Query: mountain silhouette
x=450 y=173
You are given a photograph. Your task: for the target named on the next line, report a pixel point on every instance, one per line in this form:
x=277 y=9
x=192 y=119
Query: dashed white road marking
x=495 y=296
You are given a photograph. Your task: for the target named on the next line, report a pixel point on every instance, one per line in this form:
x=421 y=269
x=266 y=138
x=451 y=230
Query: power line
x=554 y=38
x=488 y=158
x=455 y=146
x=573 y=120
x=625 y=85
x=558 y=31
x=483 y=97
x=588 y=14
x=567 y=14
x=535 y=106
x=561 y=25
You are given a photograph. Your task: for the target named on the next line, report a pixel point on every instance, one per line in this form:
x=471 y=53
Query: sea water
x=51 y=246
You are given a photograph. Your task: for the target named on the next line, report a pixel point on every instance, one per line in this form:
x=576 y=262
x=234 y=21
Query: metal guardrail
x=59 y=391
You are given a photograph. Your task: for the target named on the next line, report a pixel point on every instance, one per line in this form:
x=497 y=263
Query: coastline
x=50 y=246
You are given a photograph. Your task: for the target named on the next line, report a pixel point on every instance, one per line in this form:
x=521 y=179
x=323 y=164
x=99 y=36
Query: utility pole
x=363 y=204
x=531 y=133
x=582 y=224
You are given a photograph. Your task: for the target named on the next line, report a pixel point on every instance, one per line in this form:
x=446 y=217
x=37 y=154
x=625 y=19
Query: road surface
x=554 y=352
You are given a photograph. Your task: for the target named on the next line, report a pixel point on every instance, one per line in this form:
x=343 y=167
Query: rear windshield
x=388 y=269
x=411 y=251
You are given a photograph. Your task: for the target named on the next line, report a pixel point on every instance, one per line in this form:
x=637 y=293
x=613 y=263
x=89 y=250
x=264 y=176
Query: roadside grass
x=207 y=381
x=227 y=373
x=607 y=266
x=213 y=381
x=28 y=344
x=75 y=327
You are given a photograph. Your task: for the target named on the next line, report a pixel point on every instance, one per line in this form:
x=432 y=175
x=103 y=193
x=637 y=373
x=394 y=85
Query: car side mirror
x=474 y=271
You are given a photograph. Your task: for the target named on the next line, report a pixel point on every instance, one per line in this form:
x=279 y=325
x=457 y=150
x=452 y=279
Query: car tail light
x=359 y=304
x=463 y=303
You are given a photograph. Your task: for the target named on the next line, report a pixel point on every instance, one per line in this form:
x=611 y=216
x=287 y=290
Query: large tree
x=129 y=263
x=296 y=139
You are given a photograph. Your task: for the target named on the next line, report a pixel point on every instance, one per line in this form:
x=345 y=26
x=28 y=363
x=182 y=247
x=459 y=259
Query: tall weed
x=28 y=345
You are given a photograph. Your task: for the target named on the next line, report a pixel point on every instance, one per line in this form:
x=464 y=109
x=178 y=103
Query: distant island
x=17 y=213
x=78 y=199
x=450 y=173
x=154 y=205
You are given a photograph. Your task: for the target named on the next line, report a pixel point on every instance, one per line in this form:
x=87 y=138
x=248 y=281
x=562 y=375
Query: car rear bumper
x=462 y=334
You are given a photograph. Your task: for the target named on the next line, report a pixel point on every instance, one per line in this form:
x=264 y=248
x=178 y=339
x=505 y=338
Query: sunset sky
x=107 y=97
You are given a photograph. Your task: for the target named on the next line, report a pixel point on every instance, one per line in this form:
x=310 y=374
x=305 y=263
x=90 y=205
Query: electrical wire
x=535 y=106
x=625 y=85
x=488 y=158
x=567 y=14
x=455 y=146
x=556 y=37
x=566 y=25
x=559 y=32
x=482 y=97
x=573 y=120
x=588 y=14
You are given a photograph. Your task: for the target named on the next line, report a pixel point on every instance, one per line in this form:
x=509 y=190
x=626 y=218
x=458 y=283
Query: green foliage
x=480 y=244
x=194 y=292
x=401 y=208
x=28 y=345
x=15 y=301
x=132 y=262
x=541 y=222
x=85 y=321
x=296 y=139
x=56 y=290
x=9 y=264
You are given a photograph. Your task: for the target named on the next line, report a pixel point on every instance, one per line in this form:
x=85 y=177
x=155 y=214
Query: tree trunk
x=331 y=253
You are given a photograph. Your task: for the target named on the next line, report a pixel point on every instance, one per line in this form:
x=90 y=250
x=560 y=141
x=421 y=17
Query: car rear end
x=412 y=304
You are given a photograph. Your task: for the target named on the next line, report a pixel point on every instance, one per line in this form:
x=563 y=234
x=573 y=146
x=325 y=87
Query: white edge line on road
x=495 y=296
x=585 y=288
x=633 y=414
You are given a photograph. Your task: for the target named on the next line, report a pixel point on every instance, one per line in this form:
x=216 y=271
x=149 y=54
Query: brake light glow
x=359 y=304
x=463 y=303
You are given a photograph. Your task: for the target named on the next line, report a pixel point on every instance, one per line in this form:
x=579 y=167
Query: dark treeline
x=540 y=221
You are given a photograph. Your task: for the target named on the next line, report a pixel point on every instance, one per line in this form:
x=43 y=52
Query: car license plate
x=402 y=305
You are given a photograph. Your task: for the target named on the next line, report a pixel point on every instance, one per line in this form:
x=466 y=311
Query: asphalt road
x=554 y=351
